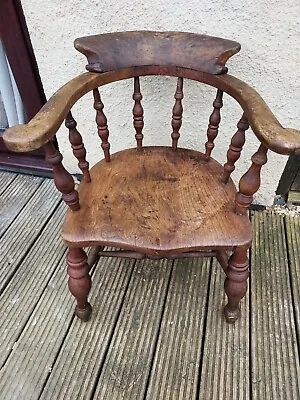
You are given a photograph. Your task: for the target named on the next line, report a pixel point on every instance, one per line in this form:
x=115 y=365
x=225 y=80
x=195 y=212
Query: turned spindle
x=138 y=112
x=177 y=113
x=235 y=148
x=77 y=145
x=79 y=281
x=250 y=181
x=101 y=122
x=214 y=122
x=236 y=282
x=62 y=178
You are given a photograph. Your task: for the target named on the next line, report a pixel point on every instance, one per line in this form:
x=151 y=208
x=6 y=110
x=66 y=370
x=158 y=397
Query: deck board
x=226 y=347
x=157 y=329
x=19 y=238
x=128 y=361
x=293 y=245
x=85 y=345
x=13 y=200
x=272 y=323
x=174 y=374
x=6 y=179
x=19 y=299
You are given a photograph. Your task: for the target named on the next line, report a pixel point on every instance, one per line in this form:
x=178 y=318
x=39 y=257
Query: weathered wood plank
x=175 y=368
x=20 y=297
x=293 y=244
x=275 y=361
x=127 y=365
x=225 y=364
x=35 y=352
x=86 y=344
x=24 y=230
x=6 y=179
x=294 y=197
x=14 y=199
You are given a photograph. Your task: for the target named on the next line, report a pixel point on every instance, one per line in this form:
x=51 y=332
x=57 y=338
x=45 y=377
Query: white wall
x=269 y=31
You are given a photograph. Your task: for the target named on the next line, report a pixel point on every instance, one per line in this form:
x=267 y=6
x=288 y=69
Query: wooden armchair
x=157 y=202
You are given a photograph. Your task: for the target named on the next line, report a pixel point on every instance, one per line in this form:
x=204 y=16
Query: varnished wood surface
x=46 y=123
x=118 y=50
x=157 y=201
x=157 y=330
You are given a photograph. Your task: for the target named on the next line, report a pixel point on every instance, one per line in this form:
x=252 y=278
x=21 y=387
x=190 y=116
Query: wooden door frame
x=13 y=30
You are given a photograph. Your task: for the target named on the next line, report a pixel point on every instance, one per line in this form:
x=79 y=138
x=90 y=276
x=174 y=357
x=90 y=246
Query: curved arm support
x=261 y=119
x=45 y=124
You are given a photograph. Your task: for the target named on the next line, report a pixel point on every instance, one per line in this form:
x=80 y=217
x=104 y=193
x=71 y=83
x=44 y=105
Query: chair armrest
x=261 y=119
x=43 y=127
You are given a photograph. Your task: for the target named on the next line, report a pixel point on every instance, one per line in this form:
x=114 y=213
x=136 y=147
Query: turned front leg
x=79 y=281
x=236 y=282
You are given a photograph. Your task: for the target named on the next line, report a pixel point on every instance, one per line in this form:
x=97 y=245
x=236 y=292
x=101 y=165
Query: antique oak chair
x=157 y=202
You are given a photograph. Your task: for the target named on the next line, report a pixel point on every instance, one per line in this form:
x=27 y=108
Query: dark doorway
x=18 y=49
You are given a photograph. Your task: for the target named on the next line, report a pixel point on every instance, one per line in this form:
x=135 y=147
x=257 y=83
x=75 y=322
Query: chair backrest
x=115 y=51
x=118 y=56
x=185 y=55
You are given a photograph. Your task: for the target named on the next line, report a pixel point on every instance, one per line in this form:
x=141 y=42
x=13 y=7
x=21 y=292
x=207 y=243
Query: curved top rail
x=45 y=124
x=115 y=51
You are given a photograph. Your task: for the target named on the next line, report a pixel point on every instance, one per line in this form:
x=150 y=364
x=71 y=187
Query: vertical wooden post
x=214 y=122
x=236 y=282
x=101 y=122
x=177 y=113
x=250 y=181
x=235 y=148
x=138 y=112
x=79 y=281
x=62 y=178
x=77 y=146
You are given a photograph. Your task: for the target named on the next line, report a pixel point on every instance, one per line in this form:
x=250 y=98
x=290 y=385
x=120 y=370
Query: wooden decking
x=157 y=330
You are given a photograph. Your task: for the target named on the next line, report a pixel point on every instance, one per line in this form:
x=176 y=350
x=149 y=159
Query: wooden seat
x=158 y=201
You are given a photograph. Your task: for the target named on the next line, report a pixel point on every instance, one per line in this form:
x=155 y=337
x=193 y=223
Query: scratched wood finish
x=142 y=204
x=235 y=148
x=50 y=355
x=250 y=181
x=156 y=201
x=214 y=122
x=46 y=123
x=182 y=49
x=78 y=148
x=101 y=122
x=177 y=113
x=138 y=113
x=62 y=178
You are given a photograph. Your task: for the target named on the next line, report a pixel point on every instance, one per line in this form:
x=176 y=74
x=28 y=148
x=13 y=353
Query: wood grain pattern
x=46 y=123
x=250 y=181
x=177 y=113
x=62 y=178
x=138 y=113
x=48 y=354
x=162 y=202
x=214 y=122
x=235 y=148
x=272 y=313
x=101 y=122
x=78 y=148
x=114 y=51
